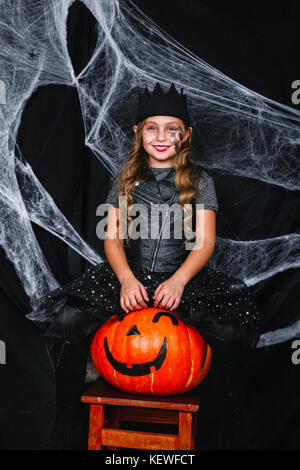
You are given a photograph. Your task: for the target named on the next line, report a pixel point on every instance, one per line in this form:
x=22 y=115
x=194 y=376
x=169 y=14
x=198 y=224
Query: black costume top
x=158 y=246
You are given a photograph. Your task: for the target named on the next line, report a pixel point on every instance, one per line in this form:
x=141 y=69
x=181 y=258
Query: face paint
x=176 y=140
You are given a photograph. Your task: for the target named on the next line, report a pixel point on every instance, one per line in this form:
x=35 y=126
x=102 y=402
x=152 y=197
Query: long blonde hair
x=186 y=174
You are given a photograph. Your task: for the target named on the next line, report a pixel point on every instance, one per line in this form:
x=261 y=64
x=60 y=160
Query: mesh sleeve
x=207 y=192
x=111 y=197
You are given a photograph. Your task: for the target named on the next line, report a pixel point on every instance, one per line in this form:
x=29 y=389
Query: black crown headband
x=159 y=103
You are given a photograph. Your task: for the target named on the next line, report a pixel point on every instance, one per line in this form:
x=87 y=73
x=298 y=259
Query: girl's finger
x=157 y=290
x=123 y=305
x=177 y=302
x=140 y=299
x=145 y=293
x=170 y=303
x=133 y=302
x=127 y=303
x=165 y=302
x=158 y=299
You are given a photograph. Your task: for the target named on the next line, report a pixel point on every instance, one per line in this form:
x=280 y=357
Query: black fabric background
x=255 y=45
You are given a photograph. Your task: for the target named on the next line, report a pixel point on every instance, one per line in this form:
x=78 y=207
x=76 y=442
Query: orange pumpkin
x=150 y=351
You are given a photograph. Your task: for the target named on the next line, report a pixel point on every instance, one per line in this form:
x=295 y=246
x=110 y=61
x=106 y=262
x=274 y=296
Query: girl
x=160 y=271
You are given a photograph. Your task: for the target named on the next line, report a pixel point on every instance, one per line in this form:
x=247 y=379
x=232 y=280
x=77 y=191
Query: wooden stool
x=109 y=406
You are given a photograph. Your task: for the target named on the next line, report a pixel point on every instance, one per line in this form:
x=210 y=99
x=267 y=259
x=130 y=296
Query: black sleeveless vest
x=165 y=251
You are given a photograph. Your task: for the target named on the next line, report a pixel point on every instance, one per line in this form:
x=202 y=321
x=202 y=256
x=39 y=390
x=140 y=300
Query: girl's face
x=163 y=137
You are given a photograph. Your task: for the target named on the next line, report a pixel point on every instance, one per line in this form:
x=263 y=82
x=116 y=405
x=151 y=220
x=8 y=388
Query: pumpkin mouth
x=137 y=369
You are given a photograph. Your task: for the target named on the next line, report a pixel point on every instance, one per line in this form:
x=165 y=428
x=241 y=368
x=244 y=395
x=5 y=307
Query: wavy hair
x=136 y=165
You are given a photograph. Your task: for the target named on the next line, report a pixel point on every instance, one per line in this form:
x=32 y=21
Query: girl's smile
x=160 y=148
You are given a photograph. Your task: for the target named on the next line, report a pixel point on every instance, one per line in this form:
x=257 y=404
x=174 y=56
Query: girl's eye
x=171 y=129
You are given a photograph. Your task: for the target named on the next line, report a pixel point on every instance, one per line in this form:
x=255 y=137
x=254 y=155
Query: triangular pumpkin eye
x=133 y=331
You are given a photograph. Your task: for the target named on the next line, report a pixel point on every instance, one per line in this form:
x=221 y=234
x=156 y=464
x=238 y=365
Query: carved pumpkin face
x=150 y=351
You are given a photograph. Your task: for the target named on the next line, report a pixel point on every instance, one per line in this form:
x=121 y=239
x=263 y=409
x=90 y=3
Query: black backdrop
x=256 y=45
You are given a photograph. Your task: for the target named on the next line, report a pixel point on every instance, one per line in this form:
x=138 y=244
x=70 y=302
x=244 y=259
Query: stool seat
x=109 y=406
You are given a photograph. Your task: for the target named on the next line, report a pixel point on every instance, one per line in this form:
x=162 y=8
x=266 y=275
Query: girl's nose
x=162 y=135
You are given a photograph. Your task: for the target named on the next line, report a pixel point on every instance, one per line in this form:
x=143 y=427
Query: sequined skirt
x=218 y=305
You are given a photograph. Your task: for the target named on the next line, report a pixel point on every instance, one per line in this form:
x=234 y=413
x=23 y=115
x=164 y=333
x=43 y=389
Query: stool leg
x=194 y=429
x=185 y=430
x=115 y=424
x=95 y=429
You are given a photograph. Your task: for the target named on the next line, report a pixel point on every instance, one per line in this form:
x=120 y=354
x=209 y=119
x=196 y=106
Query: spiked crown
x=159 y=103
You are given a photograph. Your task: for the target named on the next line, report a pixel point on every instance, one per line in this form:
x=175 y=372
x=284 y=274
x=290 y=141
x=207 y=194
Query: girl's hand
x=168 y=294
x=132 y=295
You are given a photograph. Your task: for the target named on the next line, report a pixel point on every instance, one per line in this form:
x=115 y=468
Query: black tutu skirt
x=219 y=306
